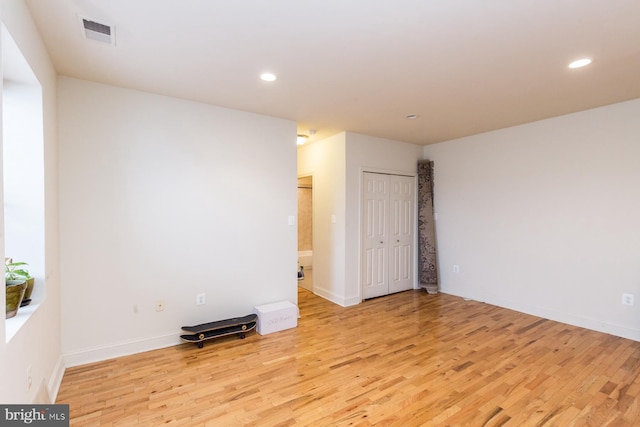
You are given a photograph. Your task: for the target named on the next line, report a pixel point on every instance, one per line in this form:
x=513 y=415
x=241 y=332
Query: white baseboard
x=352 y=301
x=55 y=380
x=572 y=319
x=344 y=302
x=558 y=316
x=328 y=295
x=97 y=354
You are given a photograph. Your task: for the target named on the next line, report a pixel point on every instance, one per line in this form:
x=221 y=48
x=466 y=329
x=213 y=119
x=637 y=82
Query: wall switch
x=200 y=299
x=333 y=219
x=292 y=220
x=160 y=305
x=627 y=299
x=456 y=268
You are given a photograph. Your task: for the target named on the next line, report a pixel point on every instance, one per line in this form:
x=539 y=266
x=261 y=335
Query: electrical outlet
x=456 y=268
x=200 y=299
x=627 y=299
x=159 y=305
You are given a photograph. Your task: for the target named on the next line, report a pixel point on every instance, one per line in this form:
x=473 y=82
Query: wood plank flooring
x=409 y=359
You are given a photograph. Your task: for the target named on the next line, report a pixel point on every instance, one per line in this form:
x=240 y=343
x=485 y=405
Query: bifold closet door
x=375 y=255
x=401 y=232
x=388 y=223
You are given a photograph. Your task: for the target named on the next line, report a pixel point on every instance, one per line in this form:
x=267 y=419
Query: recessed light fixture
x=412 y=116
x=302 y=139
x=268 y=77
x=583 y=62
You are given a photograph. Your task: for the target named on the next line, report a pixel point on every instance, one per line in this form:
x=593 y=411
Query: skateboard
x=206 y=331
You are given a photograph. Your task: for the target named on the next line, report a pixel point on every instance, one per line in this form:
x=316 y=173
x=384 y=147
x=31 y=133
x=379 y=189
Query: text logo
x=34 y=415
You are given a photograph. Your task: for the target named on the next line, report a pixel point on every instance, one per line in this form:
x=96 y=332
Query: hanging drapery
x=426 y=228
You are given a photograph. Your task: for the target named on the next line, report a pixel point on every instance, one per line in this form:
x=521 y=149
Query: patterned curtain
x=426 y=228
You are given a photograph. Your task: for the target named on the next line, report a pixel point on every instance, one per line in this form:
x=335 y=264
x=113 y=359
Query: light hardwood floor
x=409 y=359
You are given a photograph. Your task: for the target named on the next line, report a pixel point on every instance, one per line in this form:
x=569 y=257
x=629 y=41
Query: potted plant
x=16 y=277
x=26 y=299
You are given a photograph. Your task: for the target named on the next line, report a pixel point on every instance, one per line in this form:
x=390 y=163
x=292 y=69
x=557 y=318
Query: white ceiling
x=464 y=66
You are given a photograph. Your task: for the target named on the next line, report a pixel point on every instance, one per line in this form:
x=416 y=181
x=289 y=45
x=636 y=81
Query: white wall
x=337 y=164
x=37 y=344
x=162 y=199
x=325 y=161
x=543 y=217
x=367 y=153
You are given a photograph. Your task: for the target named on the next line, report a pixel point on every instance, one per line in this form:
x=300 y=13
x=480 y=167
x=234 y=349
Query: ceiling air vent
x=99 y=32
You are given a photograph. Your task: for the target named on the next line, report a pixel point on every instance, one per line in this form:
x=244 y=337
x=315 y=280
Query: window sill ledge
x=13 y=325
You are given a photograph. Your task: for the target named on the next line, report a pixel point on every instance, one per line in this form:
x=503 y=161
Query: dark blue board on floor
x=207 y=331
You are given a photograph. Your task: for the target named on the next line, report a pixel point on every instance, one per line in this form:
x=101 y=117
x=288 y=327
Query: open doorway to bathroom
x=305 y=232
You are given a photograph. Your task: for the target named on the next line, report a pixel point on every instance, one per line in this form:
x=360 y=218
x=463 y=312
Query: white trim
x=97 y=354
x=328 y=295
x=386 y=171
x=14 y=324
x=56 y=379
x=352 y=301
x=558 y=316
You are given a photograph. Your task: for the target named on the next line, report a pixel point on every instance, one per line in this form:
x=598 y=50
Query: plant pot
x=15 y=291
x=26 y=299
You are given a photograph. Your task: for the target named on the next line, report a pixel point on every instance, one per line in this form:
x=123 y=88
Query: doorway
x=305 y=232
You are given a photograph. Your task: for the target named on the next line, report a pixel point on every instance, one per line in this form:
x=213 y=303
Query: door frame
x=313 y=219
x=361 y=189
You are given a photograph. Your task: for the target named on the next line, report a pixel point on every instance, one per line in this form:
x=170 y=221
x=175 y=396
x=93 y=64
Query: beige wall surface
x=324 y=161
x=337 y=164
x=35 y=348
x=543 y=217
x=162 y=199
x=367 y=153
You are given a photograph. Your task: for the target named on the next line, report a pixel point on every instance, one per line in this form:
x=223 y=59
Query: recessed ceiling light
x=412 y=116
x=268 y=77
x=580 y=63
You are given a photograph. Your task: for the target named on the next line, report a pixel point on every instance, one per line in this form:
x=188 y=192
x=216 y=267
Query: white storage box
x=276 y=317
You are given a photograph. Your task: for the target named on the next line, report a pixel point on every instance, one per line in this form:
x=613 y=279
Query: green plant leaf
x=17 y=264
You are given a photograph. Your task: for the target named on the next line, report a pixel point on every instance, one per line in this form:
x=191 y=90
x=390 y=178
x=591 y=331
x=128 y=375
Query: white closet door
x=388 y=234
x=375 y=256
x=401 y=232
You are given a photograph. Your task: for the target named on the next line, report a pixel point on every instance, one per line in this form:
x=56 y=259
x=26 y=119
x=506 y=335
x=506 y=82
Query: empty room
x=360 y=213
